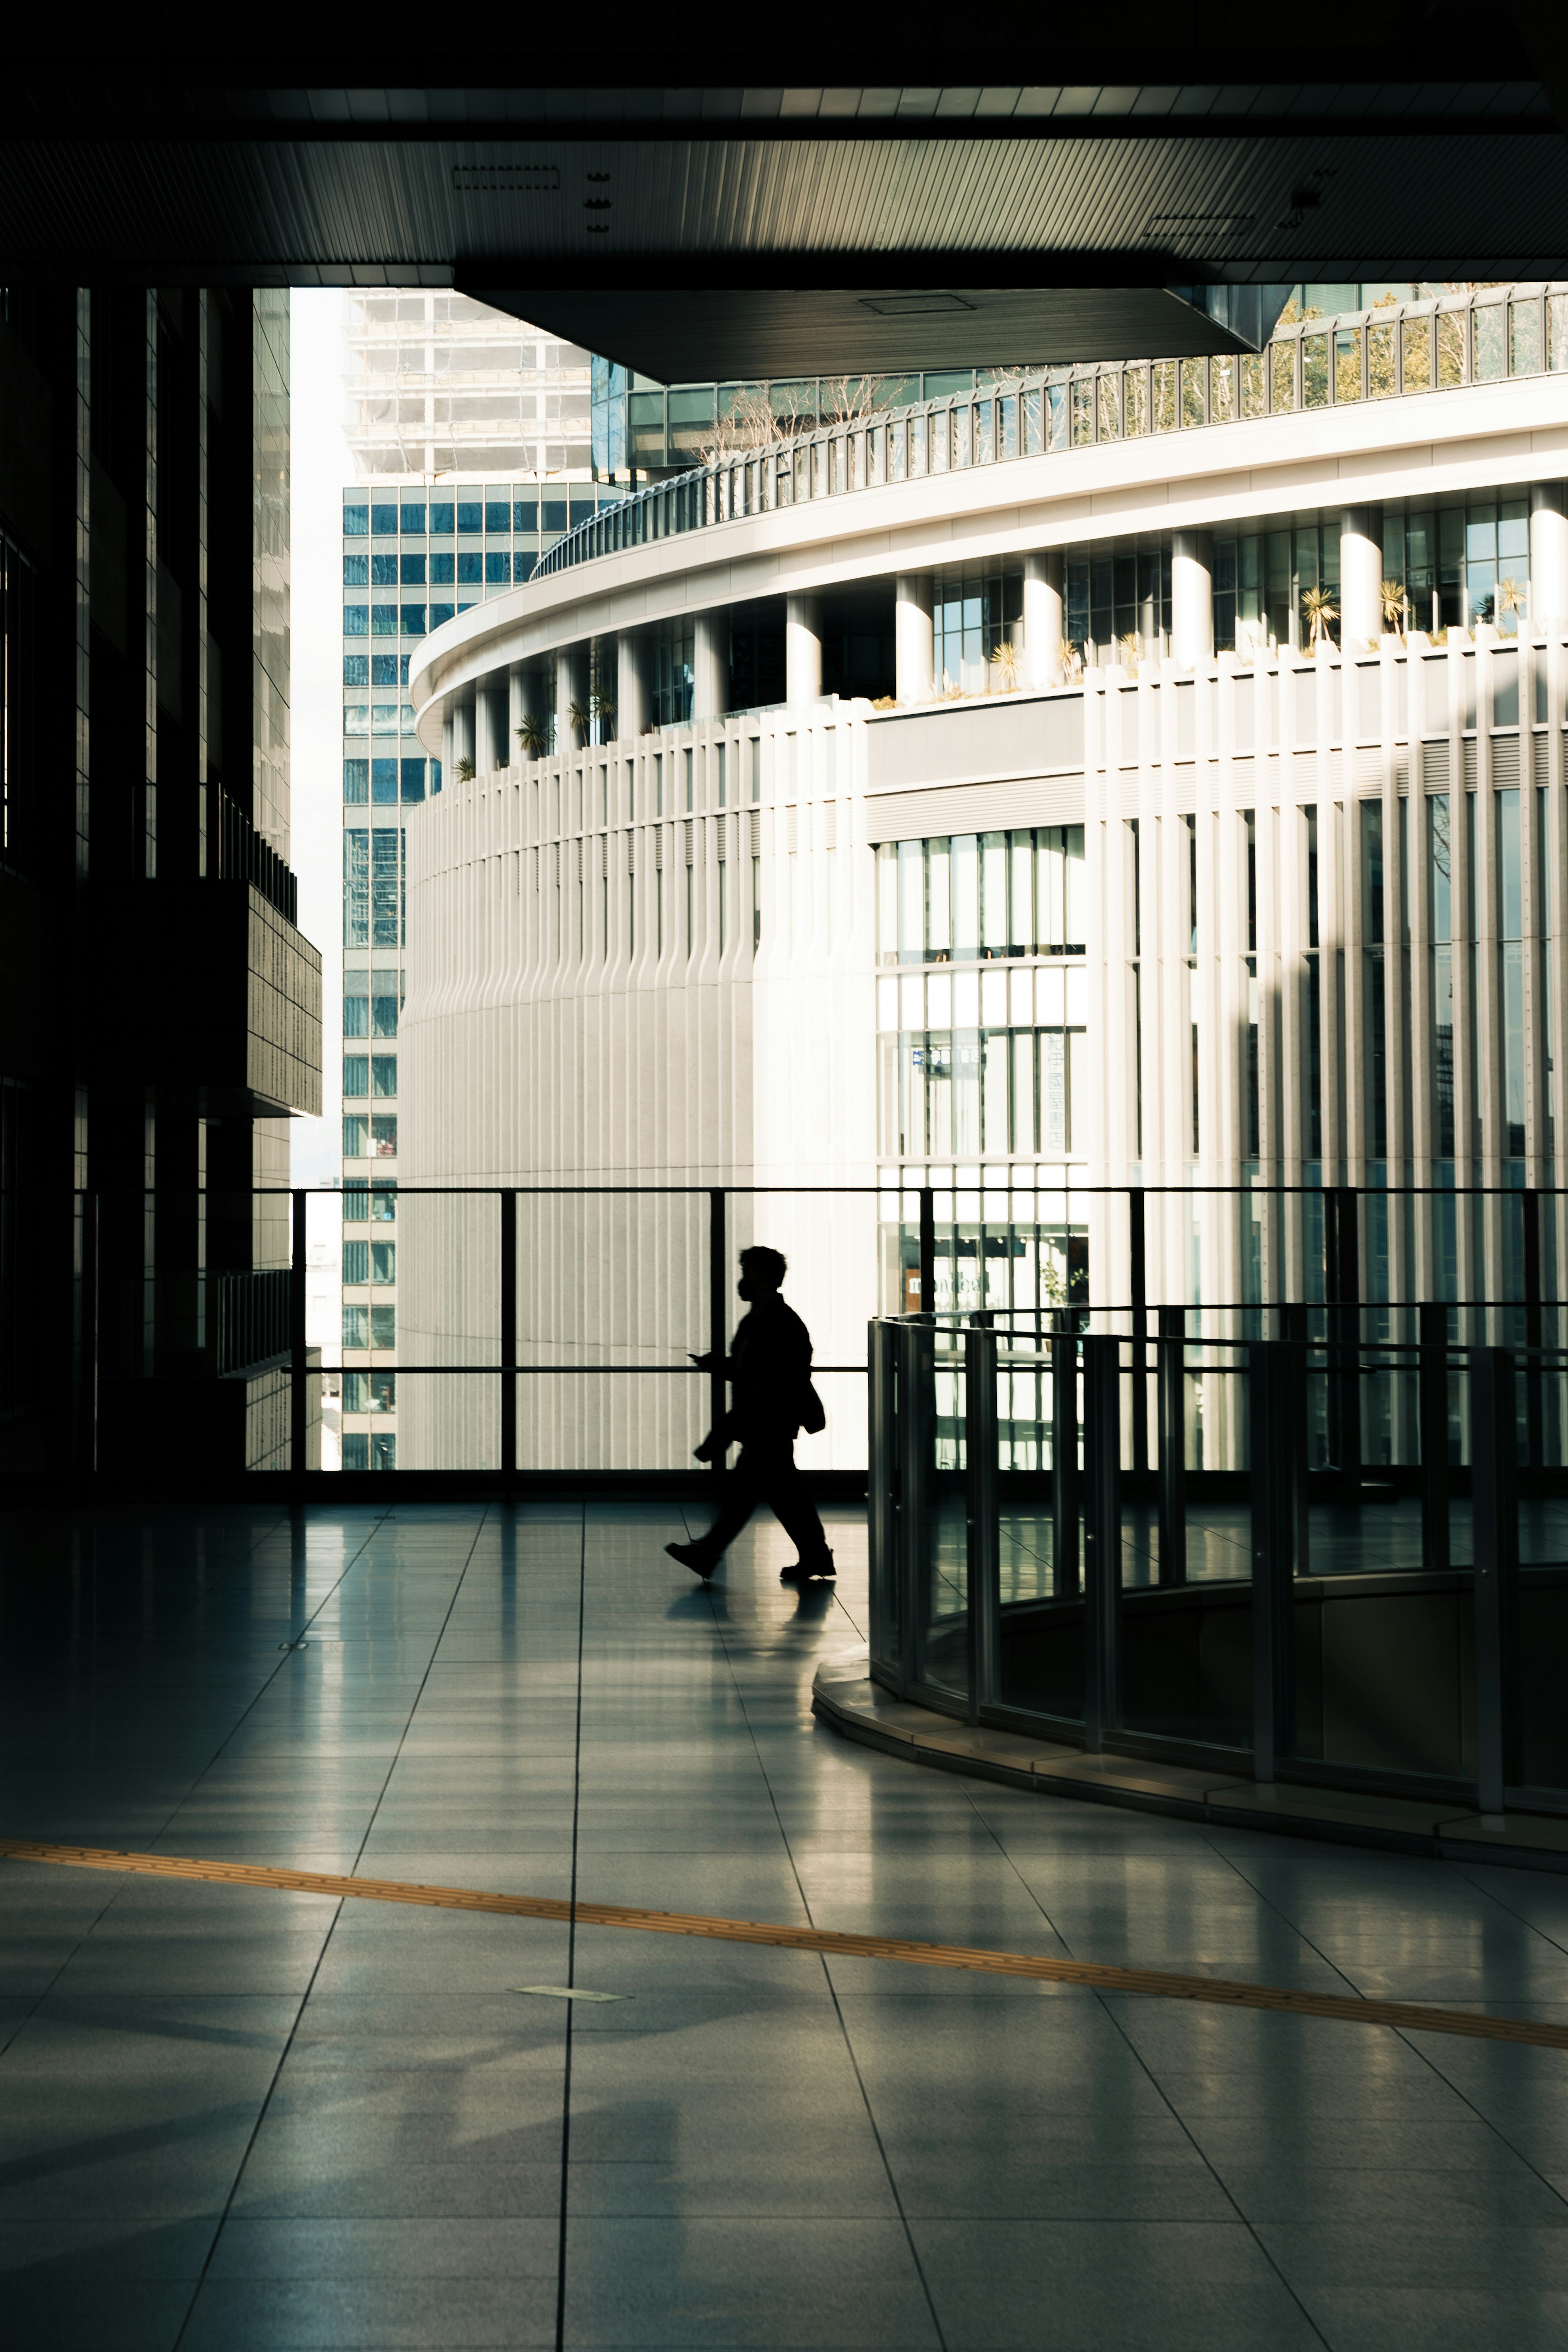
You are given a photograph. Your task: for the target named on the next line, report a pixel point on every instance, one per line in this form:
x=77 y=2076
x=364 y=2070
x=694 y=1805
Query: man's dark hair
x=770 y=1266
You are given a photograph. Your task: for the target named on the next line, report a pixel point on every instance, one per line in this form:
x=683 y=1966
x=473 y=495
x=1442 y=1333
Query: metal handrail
x=1090 y=404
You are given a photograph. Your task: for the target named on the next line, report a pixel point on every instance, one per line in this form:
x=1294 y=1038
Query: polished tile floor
x=235 y=2119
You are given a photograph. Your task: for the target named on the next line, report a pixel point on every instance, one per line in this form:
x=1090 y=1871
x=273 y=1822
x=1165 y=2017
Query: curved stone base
x=845 y=1698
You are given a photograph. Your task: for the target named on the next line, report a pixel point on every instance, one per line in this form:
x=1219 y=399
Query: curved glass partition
x=1139 y=1543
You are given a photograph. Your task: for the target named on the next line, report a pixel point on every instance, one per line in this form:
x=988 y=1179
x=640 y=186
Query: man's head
x=761 y=1272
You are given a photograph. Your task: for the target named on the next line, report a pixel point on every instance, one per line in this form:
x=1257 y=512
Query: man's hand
x=703 y=1363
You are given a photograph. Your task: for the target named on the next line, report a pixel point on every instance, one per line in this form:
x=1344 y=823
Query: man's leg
x=742 y=1491
x=786 y=1490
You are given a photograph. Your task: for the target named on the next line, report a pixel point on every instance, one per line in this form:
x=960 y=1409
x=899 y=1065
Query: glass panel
x=1417 y=334
x=1347 y=364
x=1222 y=391
x=1108 y=420
x=1252 y=404
x=1164 y=374
x=1034 y=422
x=1381 y=380
x=942 y=1626
x=1282 y=377
x=1315 y=370
x=1491 y=354
x=1524 y=338
x=1450 y=349
x=1040 y=1631
x=1082 y=412
x=1557 y=332
x=1135 y=398
x=1193 y=375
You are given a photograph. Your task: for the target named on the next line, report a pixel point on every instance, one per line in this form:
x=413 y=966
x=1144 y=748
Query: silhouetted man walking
x=769 y=1368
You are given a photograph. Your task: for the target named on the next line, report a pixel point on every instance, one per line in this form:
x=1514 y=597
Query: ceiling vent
x=506 y=179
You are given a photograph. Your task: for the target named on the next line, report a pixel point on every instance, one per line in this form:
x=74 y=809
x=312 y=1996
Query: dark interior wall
x=127 y=505
x=858 y=654
x=858 y=651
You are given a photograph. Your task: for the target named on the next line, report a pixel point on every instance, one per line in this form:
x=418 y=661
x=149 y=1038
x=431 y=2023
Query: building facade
x=160 y=1013
x=1195 y=824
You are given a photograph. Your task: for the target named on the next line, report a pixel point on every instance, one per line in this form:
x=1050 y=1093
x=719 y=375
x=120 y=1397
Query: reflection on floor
x=237 y=2118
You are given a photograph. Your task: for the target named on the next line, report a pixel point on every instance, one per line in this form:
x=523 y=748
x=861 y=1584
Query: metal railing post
x=1063 y=1459
x=298 y=1392
x=981 y=1494
x=917 y=1344
x=1344 y=1293
x=1138 y=1267
x=509 y=1336
x=1494 y=1443
x=87 y=1360
x=1102 y=1540
x=1275 y=1371
x=1171 y=1405
x=1531 y=1211
x=927 y=1250
x=882 y=1489
x=718 y=1346
x=1432 y=1382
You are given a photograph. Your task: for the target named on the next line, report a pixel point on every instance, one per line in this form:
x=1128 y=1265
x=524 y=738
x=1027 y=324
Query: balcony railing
x=1442 y=343
x=243 y=856
x=252 y=1313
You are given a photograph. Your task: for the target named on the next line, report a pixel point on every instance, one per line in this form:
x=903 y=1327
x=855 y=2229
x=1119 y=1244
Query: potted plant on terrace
x=1320 y=609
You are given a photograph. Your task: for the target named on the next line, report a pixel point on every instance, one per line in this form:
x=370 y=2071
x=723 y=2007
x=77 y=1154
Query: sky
x=320 y=467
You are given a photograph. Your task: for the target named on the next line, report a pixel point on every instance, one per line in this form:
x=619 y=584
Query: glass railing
x=1442 y=343
x=1055 y=1553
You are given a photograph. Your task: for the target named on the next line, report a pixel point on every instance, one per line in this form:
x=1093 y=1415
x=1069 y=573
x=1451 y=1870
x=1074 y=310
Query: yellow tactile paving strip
x=1409 y=2016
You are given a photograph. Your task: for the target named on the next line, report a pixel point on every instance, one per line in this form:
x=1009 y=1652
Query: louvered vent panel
x=1505 y=762
x=691 y=828
x=1435 y=767
x=1469 y=763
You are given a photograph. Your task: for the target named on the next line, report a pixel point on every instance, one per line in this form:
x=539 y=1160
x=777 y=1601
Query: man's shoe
x=800 y=1572
x=691 y=1556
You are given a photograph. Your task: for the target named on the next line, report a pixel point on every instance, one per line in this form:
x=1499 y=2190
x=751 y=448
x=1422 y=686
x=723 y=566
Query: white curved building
x=973 y=815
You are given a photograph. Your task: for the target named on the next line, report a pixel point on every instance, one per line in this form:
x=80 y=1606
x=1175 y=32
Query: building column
x=463 y=746
x=1192 y=598
x=710 y=664
x=912 y=637
x=448 y=743
x=632 y=697
x=1548 y=555
x=803 y=649
x=570 y=687
x=1360 y=578
x=1045 y=617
